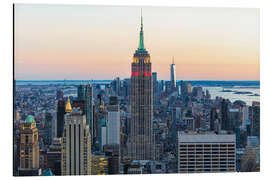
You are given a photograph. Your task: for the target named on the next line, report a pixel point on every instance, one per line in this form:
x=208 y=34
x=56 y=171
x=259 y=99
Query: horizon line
x=120 y=78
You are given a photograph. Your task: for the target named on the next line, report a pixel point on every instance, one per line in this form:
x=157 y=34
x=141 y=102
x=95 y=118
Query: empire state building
x=140 y=145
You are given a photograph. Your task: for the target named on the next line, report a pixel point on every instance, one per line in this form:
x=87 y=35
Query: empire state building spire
x=141 y=44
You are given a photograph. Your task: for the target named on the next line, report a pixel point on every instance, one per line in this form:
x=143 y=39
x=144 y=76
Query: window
x=26 y=139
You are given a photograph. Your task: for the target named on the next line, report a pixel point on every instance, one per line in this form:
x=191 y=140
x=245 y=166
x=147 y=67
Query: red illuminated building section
x=141 y=65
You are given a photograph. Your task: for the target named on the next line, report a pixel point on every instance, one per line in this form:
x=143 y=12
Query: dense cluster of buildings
x=138 y=125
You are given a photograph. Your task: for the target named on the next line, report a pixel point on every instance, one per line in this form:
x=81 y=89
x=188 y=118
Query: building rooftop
x=68 y=106
x=205 y=138
x=234 y=110
x=29 y=119
x=47 y=172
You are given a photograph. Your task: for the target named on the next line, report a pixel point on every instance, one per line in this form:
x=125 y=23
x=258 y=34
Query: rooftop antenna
x=141 y=17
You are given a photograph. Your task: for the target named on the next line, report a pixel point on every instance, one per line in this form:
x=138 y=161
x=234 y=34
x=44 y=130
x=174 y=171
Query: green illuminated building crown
x=29 y=119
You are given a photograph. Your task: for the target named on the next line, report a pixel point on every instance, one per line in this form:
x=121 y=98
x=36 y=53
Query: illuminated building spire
x=141 y=46
x=68 y=106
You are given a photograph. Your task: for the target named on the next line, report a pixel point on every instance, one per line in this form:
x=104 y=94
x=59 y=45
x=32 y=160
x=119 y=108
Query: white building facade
x=113 y=126
x=76 y=145
x=198 y=153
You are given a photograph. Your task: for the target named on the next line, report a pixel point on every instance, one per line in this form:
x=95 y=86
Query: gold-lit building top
x=68 y=106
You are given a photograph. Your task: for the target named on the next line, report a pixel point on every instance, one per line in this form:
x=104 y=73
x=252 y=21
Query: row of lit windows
x=206 y=170
x=222 y=153
x=192 y=154
x=201 y=160
x=206 y=155
x=207 y=159
x=200 y=163
x=146 y=60
x=206 y=149
x=206 y=166
x=206 y=145
x=214 y=153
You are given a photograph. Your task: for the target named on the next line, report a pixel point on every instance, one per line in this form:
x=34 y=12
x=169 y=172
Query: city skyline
x=231 y=48
x=137 y=125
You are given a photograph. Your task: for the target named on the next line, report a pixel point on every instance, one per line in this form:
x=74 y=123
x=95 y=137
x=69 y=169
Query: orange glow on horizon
x=96 y=42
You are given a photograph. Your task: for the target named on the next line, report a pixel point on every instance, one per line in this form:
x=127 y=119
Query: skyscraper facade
x=54 y=156
x=224 y=115
x=113 y=154
x=141 y=102
x=198 y=153
x=60 y=117
x=213 y=118
x=155 y=88
x=255 y=120
x=113 y=127
x=99 y=164
x=244 y=117
x=89 y=107
x=76 y=147
x=48 y=129
x=29 y=148
x=59 y=95
x=80 y=92
x=173 y=76
x=116 y=87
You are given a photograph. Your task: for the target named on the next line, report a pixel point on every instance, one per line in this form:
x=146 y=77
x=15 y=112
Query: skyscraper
x=224 y=115
x=113 y=127
x=213 y=118
x=29 y=148
x=116 y=86
x=112 y=152
x=54 y=156
x=126 y=88
x=185 y=89
x=255 y=123
x=173 y=76
x=59 y=95
x=60 y=117
x=155 y=88
x=48 y=129
x=141 y=101
x=80 y=92
x=176 y=121
x=76 y=147
x=99 y=164
x=244 y=117
x=89 y=108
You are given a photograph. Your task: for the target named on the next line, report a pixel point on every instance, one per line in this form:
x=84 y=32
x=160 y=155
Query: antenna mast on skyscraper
x=141 y=18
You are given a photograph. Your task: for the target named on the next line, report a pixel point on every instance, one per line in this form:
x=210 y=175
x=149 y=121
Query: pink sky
x=98 y=42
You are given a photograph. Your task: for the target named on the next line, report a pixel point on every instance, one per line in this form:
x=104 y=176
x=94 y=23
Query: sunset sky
x=54 y=42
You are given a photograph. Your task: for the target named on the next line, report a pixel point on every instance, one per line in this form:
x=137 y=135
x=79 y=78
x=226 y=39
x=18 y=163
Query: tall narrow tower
x=88 y=97
x=141 y=102
x=173 y=80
